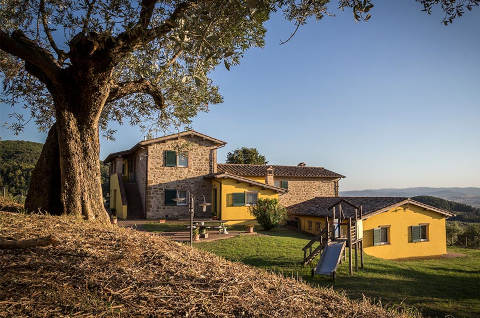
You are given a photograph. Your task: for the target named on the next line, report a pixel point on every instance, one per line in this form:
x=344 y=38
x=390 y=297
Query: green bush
x=269 y=213
x=463 y=234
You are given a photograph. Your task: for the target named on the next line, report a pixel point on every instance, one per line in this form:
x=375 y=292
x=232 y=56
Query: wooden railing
x=308 y=252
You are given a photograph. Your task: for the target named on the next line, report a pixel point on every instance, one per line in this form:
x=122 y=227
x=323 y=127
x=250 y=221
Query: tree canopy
x=160 y=52
x=246 y=155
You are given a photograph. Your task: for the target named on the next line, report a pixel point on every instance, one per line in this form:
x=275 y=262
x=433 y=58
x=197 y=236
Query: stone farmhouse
x=146 y=179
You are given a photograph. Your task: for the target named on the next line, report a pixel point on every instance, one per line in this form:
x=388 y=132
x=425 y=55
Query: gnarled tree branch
x=140 y=34
x=38 y=61
x=140 y=86
x=60 y=53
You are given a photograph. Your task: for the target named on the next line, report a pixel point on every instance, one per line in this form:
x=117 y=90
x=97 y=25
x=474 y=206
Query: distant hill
x=17 y=160
x=464 y=212
x=470 y=196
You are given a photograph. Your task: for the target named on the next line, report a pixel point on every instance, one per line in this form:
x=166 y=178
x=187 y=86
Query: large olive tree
x=78 y=64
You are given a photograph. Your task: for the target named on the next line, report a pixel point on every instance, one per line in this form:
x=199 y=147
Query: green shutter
x=284 y=184
x=416 y=233
x=377 y=233
x=169 y=196
x=170 y=158
x=238 y=199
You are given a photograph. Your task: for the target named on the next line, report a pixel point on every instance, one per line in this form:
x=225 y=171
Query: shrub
x=269 y=213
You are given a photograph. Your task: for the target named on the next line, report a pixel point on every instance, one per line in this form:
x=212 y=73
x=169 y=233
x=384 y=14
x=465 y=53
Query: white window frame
x=246 y=198
x=179 y=154
x=182 y=203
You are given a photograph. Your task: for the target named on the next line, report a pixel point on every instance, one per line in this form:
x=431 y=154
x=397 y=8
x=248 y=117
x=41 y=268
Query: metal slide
x=330 y=258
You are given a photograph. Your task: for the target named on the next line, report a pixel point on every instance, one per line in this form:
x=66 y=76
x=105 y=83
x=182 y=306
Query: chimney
x=301 y=164
x=269 y=176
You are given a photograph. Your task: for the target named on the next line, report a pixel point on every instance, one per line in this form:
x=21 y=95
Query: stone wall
x=189 y=178
x=303 y=189
x=141 y=173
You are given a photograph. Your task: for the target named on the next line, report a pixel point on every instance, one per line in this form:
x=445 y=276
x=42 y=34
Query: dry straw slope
x=98 y=271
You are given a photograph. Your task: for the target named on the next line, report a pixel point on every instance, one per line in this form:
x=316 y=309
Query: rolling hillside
x=464 y=212
x=17 y=160
x=469 y=196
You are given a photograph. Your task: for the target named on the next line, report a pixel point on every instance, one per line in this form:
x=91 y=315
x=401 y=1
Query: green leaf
x=227 y=66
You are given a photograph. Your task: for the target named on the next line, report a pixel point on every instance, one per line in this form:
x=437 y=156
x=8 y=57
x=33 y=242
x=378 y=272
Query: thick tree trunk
x=44 y=189
x=67 y=177
x=79 y=150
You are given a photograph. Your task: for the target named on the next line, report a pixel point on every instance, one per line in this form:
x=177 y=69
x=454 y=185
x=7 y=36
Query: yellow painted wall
x=116 y=203
x=240 y=214
x=399 y=220
x=304 y=224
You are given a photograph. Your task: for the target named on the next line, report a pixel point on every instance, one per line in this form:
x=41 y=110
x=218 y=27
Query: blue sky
x=394 y=102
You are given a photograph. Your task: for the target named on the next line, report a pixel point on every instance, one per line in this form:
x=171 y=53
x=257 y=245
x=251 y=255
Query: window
x=182 y=195
x=171 y=195
x=183 y=159
x=309 y=223
x=251 y=198
x=317 y=227
x=380 y=235
x=281 y=184
x=419 y=233
x=172 y=159
x=238 y=199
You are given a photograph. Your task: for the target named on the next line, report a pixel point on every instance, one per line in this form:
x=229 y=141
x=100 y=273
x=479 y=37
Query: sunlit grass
x=436 y=287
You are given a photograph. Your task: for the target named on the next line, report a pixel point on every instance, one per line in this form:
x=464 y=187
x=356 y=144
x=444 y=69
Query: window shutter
x=238 y=199
x=423 y=232
x=416 y=233
x=169 y=196
x=377 y=233
x=284 y=184
x=170 y=158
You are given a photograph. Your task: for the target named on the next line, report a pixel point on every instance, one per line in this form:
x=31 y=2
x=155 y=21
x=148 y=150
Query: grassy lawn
x=436 y=287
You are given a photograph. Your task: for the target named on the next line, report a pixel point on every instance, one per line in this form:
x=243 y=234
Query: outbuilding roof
x=245 y=180
x=321 y=206
x=247 y=170
x=218 y=142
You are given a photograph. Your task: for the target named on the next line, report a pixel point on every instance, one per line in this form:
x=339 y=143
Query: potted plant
x=250 y=228
x=203 y=232
x=196 y=234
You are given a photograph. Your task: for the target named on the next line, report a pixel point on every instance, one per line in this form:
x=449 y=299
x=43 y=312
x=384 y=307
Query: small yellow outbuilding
x=233 y=195
x=393 y=227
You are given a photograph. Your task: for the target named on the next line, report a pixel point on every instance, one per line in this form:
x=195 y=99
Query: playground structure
x=344 y=228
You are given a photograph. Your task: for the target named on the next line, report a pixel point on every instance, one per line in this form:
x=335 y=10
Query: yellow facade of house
x=227 y=210
x=116 y=197
x=398 y=222
x=397 y=225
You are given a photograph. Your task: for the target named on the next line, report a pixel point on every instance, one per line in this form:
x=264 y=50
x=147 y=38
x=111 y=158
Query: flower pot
x=250 y=228
x=114 y=220
x=196 y=237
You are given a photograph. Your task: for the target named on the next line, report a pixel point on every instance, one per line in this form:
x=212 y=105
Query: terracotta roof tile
x=247 y=170
x=320 y=206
